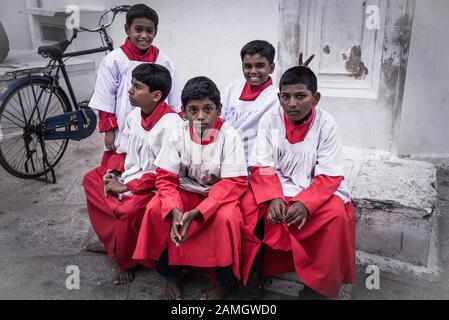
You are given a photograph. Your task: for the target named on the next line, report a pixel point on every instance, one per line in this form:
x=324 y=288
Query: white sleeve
x=123 y=147
x=106 y=85
x=262 y=154
x=174 y=96
x=225 y=101
x=329 y=154
x=169 y=158
x=233 y=162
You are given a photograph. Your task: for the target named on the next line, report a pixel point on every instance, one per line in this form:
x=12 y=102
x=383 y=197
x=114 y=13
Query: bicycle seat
x=54 y=51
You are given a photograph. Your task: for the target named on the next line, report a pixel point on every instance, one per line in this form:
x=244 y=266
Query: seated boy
x=246 y=100
x=114 y=78
x=308 y=217
x=195 y=219
x=116 y=203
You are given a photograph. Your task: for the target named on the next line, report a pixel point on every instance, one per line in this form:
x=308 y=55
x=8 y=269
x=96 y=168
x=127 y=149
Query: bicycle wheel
x=22 y=142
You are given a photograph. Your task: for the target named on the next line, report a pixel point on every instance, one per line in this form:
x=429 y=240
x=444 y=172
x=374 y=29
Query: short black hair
x=299 y=75
x=155 y=76
x=199 y=88
x=262 y=47
x=139 y=11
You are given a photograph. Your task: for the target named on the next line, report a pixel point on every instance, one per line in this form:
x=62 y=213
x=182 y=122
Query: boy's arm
x=117 y=160
x=168 y=163
x=106 y=85
x=265 y=184
x=321 y=189
x=224 y=191
x=167 y=184
x=264 y=179
x=107 y=121
x=329 y=171
x=142 y=185
x=233 y=175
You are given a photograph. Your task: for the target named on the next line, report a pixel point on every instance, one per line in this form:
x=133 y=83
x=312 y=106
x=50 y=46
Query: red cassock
x=117 y=222
x=214 y=240
x=322 y=252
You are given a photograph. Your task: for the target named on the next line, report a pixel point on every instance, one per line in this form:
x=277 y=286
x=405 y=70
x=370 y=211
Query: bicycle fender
x=4 y=91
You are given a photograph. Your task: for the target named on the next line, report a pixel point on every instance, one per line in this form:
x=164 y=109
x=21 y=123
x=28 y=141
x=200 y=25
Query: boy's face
x=141 y=32
x=140 y=95
x=201 y=113
x=297 y=101
x=256 y=69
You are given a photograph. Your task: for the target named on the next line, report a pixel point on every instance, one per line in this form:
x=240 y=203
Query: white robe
x=298 y=164
x=142 y=147
x=201 y=166
x=244 y=116
x=114 y=80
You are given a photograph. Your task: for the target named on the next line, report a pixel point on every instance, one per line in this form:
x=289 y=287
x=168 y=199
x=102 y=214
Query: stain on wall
x=327 y=50
x=354 y=63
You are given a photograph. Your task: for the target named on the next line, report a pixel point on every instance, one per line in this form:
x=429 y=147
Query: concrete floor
x=43 y=228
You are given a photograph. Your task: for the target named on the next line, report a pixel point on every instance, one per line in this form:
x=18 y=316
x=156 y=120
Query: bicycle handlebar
x=115 y=10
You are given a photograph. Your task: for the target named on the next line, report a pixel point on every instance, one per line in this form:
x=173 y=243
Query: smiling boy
x=110 y=96
x=246 y=100
x=309 y=224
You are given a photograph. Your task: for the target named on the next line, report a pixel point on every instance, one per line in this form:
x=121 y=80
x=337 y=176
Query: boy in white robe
x=110 y=97
x=246 y=100
x=116 y=200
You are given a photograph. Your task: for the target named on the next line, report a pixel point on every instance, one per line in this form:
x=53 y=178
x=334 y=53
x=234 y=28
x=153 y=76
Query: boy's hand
x=186 y=221
x=109 y=140
x=306 y=63
x=175 y=226
x=297 y=213
x=112 y=187
x=276 y=210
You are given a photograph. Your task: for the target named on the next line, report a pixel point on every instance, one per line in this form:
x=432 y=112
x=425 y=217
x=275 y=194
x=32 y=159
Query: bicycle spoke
x=12 y=121
x=12 y=115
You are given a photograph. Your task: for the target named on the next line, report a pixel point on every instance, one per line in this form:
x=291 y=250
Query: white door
x=361 y=49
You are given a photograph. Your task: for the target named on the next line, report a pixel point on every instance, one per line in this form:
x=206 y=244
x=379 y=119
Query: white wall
x=15 y=24
x=425 y=114
x=202 y=37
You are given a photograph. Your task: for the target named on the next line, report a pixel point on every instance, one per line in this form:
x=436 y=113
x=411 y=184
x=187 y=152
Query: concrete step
x=396 y=218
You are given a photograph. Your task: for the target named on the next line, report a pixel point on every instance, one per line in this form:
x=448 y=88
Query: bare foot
x=172 y=291
x=96 y=246
x=124 y=277
x=215 y=293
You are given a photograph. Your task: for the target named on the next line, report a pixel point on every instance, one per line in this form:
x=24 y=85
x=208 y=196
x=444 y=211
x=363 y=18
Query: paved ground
x=43 y=228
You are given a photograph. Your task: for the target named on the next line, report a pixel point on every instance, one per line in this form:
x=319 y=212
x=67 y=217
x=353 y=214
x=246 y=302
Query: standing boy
x=246 y=100
x=110 y=97
x=116 y=201
x=195 y=219
x=307 y=212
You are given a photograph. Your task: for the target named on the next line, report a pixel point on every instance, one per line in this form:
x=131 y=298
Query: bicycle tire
x=15 y=139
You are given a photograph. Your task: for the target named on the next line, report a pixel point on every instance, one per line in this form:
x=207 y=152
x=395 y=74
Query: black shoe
x=309 y=294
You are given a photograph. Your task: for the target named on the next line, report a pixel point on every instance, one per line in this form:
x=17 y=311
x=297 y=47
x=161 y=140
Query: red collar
x=209 y=136
x=150 y=121
x=297 y=132
x=135 y=54
x=251 y=94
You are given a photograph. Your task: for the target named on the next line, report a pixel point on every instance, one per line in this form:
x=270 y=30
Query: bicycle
x=37 y=118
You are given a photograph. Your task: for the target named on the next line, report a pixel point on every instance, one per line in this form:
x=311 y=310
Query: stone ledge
x=396 y=214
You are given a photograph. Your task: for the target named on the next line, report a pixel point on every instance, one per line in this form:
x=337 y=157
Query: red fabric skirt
x=214 y=243
x=116 y=222
x=322 y=253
